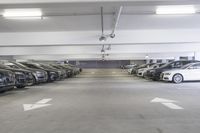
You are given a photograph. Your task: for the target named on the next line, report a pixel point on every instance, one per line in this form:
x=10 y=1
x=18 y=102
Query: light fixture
x=103 y=38
x=22 y=13
x=147 y=57
x=179 y=9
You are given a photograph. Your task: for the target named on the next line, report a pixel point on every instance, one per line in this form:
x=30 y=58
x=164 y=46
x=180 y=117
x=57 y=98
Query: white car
x=130 y=70
x=189 y=72
x=141 y=72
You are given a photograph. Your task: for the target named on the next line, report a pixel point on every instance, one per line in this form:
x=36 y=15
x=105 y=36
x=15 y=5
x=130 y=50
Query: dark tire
x=177 y=78
x=34 y=81
x=2 y=91
x=155 y=79
x=21 y=86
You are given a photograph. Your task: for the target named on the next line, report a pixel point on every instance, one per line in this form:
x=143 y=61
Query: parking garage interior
x=99 y=66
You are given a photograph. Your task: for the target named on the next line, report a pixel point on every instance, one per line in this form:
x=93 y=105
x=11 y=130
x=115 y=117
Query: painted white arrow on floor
x=167 y=102
x=39 y=104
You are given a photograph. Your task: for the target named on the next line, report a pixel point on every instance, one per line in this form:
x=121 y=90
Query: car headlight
x=167 y=73
x=38 y=73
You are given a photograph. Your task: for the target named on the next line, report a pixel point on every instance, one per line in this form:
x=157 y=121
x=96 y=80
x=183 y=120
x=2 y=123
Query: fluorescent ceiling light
x=15 y=13
x=180 y=9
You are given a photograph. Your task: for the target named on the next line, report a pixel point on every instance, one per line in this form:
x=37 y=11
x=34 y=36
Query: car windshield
x=46 y=66
x=34 y=66
x=12 y=66
x=57 y=67
x=167 y=64
x=18 y=65
x=185 y=66
x=4 y=66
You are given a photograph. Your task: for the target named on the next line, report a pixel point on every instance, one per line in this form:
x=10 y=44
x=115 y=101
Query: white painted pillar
x=154 y=61
x=164 y=61
x=147 y=61
x=176 y=58
x=197 y=55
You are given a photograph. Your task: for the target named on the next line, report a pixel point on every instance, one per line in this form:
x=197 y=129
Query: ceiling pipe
x=103 y=37
x=117 y=17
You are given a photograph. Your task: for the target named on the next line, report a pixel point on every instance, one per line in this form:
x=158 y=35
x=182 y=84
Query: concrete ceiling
x=86 y=17
x=74 y=24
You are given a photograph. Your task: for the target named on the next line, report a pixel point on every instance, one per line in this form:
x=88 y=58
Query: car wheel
x=34 y=81
x=177 y=78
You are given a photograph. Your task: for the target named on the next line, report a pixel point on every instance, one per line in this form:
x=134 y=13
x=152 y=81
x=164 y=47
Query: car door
x=193 y=72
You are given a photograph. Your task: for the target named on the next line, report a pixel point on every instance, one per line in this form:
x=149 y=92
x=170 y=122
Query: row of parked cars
x=22 y=74
x=176 y=71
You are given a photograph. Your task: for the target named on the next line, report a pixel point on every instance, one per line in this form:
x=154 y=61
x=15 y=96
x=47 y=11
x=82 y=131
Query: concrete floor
x=102 y=101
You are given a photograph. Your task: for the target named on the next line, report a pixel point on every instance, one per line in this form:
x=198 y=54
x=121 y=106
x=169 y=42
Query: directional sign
x=166 y=102
x=39 y=104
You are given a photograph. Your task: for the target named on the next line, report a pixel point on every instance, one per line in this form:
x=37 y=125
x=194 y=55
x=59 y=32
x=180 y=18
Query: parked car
x=69 y=70
x=39 y=76
x=154 y=74
x=132 y=70
x=7 y=80
x=52 y=75
x=76 y=69
x=143 y=71
x=73 y=70
x=61 y=72
x=189 y=72
x=135 y=69
x=22 y=77
x=57 y=66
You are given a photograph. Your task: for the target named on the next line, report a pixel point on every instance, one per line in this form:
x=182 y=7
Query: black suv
x=22 y=77
x=154 y=74
x=7 y=80
x=52 y=74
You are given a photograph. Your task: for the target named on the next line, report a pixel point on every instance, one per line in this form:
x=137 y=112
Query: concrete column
x=176 y=58
x=197 y=55
x=147 y=61
x=154 y=61
x=164 y=60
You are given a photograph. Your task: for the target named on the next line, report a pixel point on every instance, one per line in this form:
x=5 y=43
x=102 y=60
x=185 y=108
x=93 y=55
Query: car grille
x=20 y=78
x=9 y=78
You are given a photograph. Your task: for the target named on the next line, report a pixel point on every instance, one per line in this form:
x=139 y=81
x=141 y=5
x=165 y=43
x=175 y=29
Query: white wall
x=92 y=37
